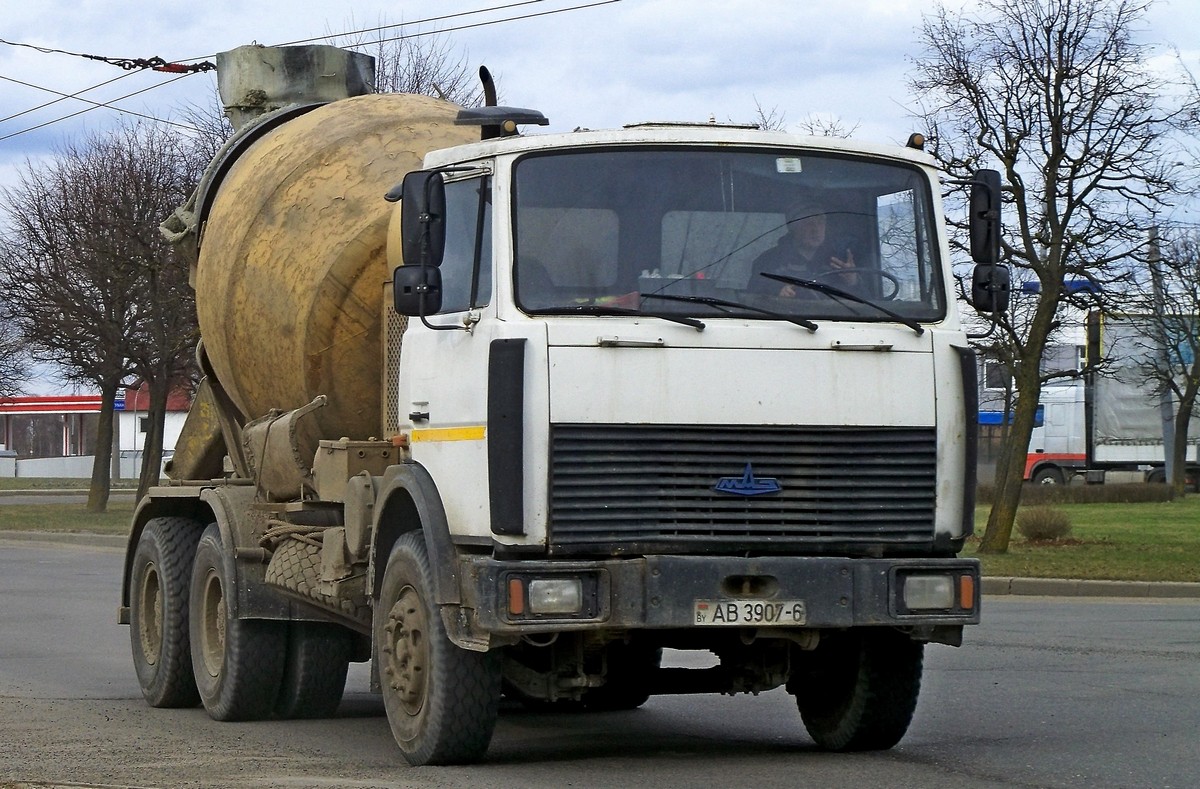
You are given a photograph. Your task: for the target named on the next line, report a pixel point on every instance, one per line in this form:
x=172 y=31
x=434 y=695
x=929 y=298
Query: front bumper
x=661 y=592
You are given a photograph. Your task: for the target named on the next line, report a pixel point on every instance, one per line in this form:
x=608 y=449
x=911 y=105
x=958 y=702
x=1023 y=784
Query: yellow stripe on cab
x=471 y=433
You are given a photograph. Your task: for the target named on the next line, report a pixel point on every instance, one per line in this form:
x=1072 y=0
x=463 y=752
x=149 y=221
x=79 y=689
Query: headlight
x=556 y=596
x=928 y=591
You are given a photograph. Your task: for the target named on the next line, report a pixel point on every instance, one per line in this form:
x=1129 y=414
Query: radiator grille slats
x=637 y=486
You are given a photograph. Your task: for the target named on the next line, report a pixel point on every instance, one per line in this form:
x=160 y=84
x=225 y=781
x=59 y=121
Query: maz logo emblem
x=747 y=484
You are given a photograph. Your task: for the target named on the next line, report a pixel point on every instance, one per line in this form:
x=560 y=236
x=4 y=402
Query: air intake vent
x=635 y=488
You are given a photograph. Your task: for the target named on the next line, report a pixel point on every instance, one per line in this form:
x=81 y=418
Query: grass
x=53 y=483
x=67 y=518
x=1140 y=541
x=1147 y=541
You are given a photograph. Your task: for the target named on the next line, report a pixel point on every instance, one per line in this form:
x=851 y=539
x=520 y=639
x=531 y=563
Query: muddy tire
x=238 y=663
x=314 y=676
x=441 y=701
x=858 y=691
x=158 y=611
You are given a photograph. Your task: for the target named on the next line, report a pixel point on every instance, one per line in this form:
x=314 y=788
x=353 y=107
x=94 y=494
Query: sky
x=583 y=63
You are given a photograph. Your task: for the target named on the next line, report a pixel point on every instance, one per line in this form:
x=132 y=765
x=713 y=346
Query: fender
x=159 y=502
x=409 y=499
x=229 y=507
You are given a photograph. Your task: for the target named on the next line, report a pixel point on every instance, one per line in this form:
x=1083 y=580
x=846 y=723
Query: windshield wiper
x=719 y=303
x=600 y=309
x=838 y=293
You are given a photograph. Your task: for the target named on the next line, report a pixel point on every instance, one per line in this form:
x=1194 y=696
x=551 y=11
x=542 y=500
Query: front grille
x=633 y=488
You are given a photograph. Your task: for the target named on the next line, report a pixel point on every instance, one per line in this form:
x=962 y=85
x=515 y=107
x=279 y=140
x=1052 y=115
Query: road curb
x=68 y=538
x=1069 y=587
x=63 y=492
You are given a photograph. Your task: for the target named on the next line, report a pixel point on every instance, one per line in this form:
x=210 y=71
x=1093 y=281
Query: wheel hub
x=212 y=632
x=150 y=604
x=407 y=650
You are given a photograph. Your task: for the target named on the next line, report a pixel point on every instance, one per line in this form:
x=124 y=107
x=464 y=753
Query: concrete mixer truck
x=509 y=415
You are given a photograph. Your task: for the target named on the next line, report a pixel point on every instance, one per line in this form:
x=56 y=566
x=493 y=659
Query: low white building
x=54 y=435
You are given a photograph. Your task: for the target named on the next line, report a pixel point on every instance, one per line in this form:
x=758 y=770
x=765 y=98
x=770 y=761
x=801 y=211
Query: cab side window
x=467 y=265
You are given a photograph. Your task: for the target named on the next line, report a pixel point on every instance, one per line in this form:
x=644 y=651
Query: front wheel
x=858 y=691
x=442 y=701
x=1049 y=475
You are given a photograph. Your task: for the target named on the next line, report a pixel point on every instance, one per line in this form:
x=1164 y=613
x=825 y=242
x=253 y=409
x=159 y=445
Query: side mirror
x=417 y=290
x=423 y=219
x=984 y=219
x=990 y=288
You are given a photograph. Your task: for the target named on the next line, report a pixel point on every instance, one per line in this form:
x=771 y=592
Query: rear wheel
x=238 y=663
x=441 y=701
x=158 y=611
x=314 y=677
x=857 y=691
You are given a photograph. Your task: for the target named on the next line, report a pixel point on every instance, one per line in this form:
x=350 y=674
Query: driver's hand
x=844 y=266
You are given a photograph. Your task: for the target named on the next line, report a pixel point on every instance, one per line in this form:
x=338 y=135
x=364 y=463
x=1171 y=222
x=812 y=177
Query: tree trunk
x=156 y=418
x=101 y=469
x=1183 y=418
x=1010 y=472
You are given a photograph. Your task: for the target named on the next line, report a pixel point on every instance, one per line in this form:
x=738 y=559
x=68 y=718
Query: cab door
x=443 y=380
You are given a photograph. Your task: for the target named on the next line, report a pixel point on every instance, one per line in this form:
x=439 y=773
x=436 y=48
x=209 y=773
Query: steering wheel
x=833 y=273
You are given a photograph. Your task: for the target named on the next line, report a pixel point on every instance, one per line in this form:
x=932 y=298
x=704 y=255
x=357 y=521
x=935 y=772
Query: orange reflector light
x=966 y=592
x=516 y=597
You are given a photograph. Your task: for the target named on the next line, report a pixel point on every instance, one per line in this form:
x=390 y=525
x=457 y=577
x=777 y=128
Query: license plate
x=750 y=613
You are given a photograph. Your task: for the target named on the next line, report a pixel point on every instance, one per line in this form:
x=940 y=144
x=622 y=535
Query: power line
x=95 y=104
x=183 y=69
x=89 y=109
x=63 y=95
x=491 y=22
x=129 y=64
x=408 y=24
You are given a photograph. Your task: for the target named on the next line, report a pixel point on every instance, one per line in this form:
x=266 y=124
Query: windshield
x=693 y=231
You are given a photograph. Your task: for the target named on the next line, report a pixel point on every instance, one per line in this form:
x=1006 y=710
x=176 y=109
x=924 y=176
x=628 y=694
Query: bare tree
x=817 y=126
x=88 y=278
x=416 y=62
x=1166 y=358
x=1058 y=96
x=163 y=167
x=14 y=356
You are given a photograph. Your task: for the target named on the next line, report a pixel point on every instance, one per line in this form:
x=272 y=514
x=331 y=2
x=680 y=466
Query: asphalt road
x=1046 y=693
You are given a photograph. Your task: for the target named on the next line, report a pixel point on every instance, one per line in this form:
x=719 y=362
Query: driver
x=804 y=252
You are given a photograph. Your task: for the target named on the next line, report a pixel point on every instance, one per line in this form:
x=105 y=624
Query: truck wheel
x=158 y=611
x=238 y=663
x=441 y=701
x=628 y=681
x=314 y=676
x=1049 y=475
x=859 y=690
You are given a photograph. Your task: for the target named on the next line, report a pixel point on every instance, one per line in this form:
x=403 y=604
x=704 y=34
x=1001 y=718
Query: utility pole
x=1166 y=403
